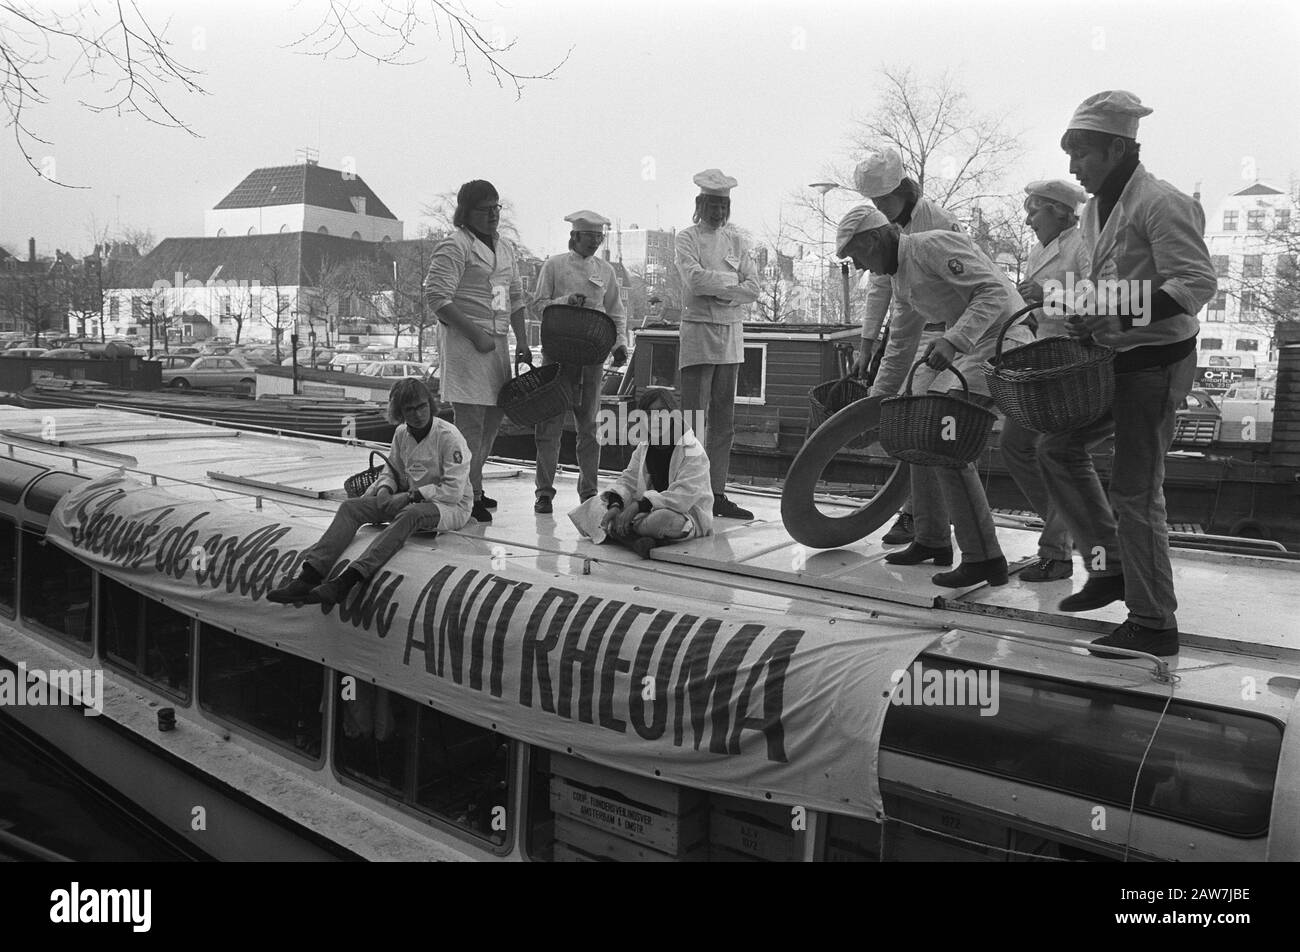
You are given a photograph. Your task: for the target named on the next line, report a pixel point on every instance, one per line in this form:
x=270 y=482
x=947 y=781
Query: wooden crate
x=602 y=845
x=720 y=854
x=563 y=853
x=638 y=822
x=761 y=830
x=669 y=798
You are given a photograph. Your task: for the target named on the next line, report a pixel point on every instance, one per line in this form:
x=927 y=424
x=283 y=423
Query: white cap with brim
x=1058 y=190
x=860 y=218
x=586 y=220
x=714 y=182
x=1115 y=112
x=879 y=173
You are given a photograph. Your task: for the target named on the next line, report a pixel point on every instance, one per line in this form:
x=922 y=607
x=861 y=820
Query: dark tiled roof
x=1259 y=188
x=291 y=259
x=303 y=185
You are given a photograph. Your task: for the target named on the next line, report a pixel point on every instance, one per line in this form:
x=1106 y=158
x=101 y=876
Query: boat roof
x=1236 y=612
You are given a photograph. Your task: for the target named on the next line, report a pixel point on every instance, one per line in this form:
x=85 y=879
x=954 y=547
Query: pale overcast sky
x=654 y=92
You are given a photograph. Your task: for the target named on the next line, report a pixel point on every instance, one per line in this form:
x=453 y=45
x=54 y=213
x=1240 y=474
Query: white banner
x=761 y=703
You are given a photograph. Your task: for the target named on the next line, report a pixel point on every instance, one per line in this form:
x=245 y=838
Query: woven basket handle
x=965 y=390
x=1027 y=309
x=387 y=463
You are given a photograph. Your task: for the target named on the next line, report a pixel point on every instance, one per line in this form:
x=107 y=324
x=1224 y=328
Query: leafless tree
x=273 y=308
x=116 y=47
x=1267 y=288
x=410 y=310
x=126 y=55
x=389 y=33
x=956 y=154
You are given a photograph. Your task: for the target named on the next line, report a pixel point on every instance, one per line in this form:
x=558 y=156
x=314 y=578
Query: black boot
x=993 y=571
x=298 y=591
x=336 y=589
x=1161 y=642
x=916 y=553
x=1096 y=592
x=902 y=531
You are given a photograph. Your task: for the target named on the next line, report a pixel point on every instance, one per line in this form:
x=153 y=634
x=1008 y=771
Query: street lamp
x=823 y=188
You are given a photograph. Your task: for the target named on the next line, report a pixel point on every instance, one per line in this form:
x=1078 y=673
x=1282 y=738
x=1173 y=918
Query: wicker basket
x=357 y=485
x=1052 y=385
x=934 y=429
x=577 y=335
x=827 y=399
x=535 y=396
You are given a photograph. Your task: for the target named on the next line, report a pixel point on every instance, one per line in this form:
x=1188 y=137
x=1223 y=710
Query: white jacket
x=440 y=460
x=944 y=278
x=715 y=263
x=926 y=216
x=595 y=278
x=1155 y=233
x=1063 y=256
x=689 y=491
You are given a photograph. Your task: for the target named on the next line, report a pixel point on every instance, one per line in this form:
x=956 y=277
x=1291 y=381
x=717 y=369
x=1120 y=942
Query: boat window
x=276 y=694
x=663 y=363
x=423 y=758
x=8 y=566
x=751 y=382
x=917 y=831
x=1208 y=767
x=49 y=489
x=14 y=477
x=55 y=588
x=579 y=811
x=144 y=637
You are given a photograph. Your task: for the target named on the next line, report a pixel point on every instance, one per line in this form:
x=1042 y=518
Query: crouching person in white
x=427 y=490
x=664 y=495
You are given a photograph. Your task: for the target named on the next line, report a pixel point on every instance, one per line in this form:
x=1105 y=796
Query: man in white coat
x=718 y=280
x=1050 y=210
x=940 y=276
x=580 y=279
x=879 y=177
x=1152 y=270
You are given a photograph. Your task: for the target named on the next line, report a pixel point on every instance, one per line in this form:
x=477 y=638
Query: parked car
x=394 y=368
x=24 y=352
x=348 y=363
x=1196 y=421
x=1247 y=412
x=213 y=371
x=173 y=361
x=184 y=349
x=323 y=358
x=67 y=353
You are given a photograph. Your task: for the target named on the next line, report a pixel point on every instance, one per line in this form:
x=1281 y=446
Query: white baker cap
x=1114 y=111
x=1058 y=190
x=714 y=182
x=879 y=173
x=587 y=220
x=860 y=218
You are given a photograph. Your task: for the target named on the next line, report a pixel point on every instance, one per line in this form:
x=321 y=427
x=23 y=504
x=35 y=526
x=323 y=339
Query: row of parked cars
x=220 y=363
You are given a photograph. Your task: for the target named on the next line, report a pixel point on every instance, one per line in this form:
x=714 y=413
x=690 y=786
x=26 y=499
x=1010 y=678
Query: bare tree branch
x=390 y=33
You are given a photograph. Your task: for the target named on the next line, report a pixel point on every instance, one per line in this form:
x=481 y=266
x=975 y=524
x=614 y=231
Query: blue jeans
x=711 y=388
x=1133 y=540
x=1020 y=453
x=586 y=403
x=355 y=513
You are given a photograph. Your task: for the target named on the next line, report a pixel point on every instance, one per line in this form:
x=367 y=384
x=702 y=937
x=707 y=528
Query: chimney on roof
x=31 y=250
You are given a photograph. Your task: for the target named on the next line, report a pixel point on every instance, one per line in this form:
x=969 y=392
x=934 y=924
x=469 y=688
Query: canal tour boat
x=512 y=691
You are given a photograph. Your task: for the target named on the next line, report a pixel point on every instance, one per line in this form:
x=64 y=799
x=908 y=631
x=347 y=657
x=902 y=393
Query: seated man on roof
x=427 y=489
x=665 y=494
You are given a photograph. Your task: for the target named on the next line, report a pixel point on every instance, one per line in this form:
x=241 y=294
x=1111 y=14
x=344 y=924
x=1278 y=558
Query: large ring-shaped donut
x=799 y=512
